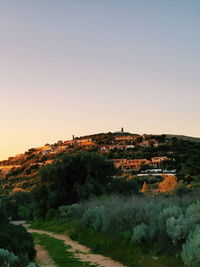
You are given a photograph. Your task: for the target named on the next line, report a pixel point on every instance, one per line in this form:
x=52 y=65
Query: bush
x=31 y=264
x=162 y=220
x=193 y=212
x=93 y=218
x=7 y=258
x=191 y=249
x=51 y=214
x=178 y=229
x=73 y=210
x=21 y=245
x=23 y=212
x=172 y=211
x=143 y=233
x=139 y=233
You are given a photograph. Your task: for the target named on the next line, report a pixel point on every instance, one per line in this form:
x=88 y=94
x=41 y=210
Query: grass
x=58 y=251
x=53 y=226
x=111 y=246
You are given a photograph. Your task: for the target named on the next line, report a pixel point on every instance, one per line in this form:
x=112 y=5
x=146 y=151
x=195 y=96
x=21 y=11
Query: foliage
x=144 y=188
x=22 y=245
x=7 y=258
x=19 y=205
x=123 y=186
x=178 y=229
x=23 y=212
x=70 y=179
x=164 y=220
x=17 y=240
x=191 y=249
x=51 y=214
x=168 y=184
x=70 y=211
x=140 y=233
x=31 y=264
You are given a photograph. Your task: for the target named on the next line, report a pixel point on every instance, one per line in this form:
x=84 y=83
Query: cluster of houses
x=136 y=164
x=120 y=142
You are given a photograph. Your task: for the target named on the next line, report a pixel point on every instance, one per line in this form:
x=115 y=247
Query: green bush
x=73 y=210
x=22 y=243
x=191 y=249
x=178 y=229
x=31 y=264
x=51 y=214
x=7 y=258
x=193 y=212
x=93 y=218
x=140 y=233
x=23 y=212
x=151 y=219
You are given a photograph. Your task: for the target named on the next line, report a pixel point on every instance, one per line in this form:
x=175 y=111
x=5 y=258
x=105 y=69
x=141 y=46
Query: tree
x=144 y=188
x=75 y=177
x=168 y=184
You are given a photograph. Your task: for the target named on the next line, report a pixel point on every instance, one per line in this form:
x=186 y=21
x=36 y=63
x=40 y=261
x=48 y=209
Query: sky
x=89 y=66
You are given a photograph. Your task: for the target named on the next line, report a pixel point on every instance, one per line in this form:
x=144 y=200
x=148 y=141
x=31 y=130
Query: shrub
x=172 y=211
x=165 y=220
x=142 y=233
x=139 y=233
x=21 y=245
x=7 y=258
x=23 y=212
x=191 y=249
x=178 y=229
x=193 y=212
x=93 y=218
x=31 y=264
x=51 y=214
x=73 y=210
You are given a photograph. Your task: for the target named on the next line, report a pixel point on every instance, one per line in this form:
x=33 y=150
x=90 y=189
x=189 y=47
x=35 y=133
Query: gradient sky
x=89 y=66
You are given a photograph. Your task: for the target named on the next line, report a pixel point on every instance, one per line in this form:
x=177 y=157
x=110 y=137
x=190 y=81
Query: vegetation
x=7 y=258
x=17 y=246
x=118 y=217
x=166 y=224
x=111 y=245
x=81 y=176
x=21 y=172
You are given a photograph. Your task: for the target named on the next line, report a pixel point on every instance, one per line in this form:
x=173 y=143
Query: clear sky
x=89 y=66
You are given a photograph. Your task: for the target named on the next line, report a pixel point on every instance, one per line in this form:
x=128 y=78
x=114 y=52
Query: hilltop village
x=132 y=154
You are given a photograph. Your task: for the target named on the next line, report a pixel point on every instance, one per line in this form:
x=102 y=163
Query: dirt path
x=43 y=258
x=80 y=251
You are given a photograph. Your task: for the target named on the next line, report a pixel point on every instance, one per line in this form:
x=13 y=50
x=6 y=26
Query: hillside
x=184 y=137
x=132 y=154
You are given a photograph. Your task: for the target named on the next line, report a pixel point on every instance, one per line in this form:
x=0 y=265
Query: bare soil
x=79 y=251
x=42 y=257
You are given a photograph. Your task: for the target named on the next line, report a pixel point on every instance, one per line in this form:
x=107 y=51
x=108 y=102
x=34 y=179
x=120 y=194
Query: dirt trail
x=43 y=258
x=80 y=251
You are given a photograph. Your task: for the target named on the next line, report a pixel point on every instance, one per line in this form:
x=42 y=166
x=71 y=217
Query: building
x=119 y=163
x=124 y=138
x=149 y=143
x=135 y=164
x=159 y=159
x=86 y=142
